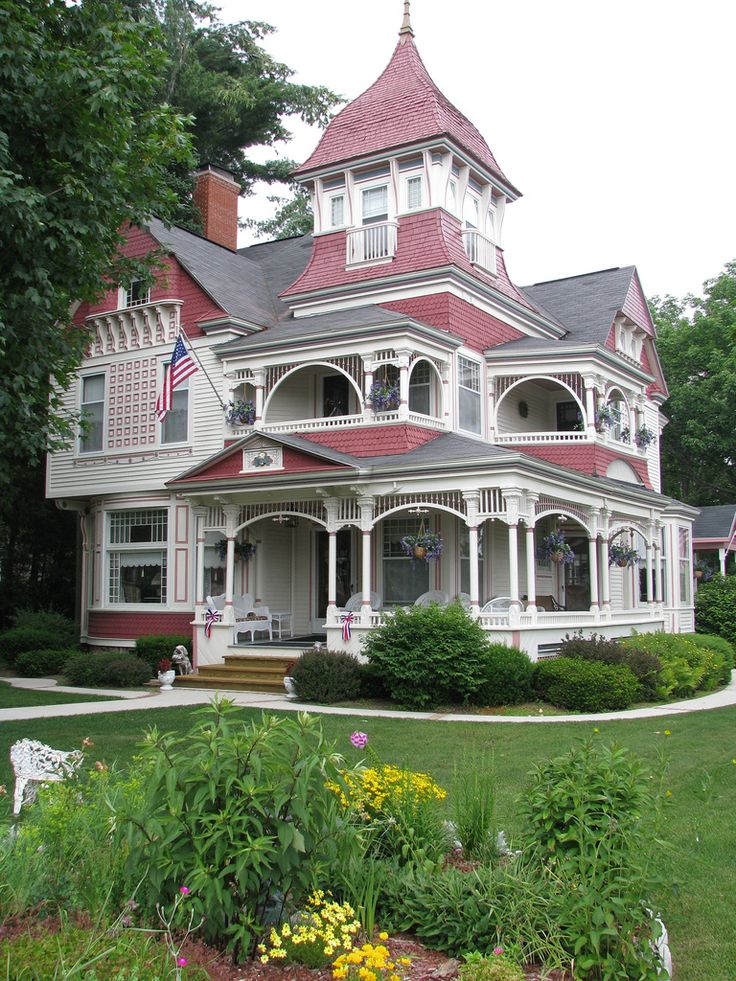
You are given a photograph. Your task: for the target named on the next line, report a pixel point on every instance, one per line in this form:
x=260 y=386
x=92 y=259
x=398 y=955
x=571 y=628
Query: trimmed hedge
x=585 y=686
x=644 y=665
x=39 y=664
x=324 y=676
x=18 y=640
x=151 y=649
x=429 y=655
x=107 y=669
x=507 y=677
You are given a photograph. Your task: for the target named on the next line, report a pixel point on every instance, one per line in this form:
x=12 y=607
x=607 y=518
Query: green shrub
x=241 y=814
x=64 y=628
x=39 y=664
x=496 y=967
x=715 y=608
x=324 y=676
x=687 y=667
x=720 y=644
x=429 y=655
x=371 y=681
x=589 y=818
x=18 y=640
x=157 y=646
x=507 y=677
x=644 y=665
x=106 y=669
x=585 y=686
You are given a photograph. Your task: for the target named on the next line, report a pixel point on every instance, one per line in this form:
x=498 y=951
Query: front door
x=345 y=577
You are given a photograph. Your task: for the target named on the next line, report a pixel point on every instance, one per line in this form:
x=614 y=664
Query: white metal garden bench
x=35 y=763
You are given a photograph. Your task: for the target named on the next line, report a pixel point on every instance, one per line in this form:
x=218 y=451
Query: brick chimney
x=216 y=195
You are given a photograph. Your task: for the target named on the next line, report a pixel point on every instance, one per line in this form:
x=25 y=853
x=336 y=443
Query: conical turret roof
x=402 y=107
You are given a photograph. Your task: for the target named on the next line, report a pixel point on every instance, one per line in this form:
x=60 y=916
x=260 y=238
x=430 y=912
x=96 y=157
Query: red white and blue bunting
x=210 y=617
x=347 y=620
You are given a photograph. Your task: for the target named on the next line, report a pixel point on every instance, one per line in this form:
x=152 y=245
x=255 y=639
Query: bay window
x=137 y=543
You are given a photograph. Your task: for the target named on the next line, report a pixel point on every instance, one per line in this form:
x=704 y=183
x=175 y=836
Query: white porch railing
x=371 y=242
x=480 y=249
x=556 y=437
x=340 y=422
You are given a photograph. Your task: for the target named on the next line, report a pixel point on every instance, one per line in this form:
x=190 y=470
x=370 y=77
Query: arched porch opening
x=425 y=389
x=564 y=585
x=313 y=391
x=631 y=568
x=540 y=405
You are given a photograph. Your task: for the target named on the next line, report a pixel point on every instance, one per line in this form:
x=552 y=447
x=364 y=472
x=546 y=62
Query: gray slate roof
x=715 y=522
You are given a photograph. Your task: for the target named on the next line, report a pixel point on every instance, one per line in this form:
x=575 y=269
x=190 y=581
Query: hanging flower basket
x=383 y=396
x=701 y=570
x=605 y=417
x=622 y=555
x=243 y=550
x=425 y=545
x=554 y=548
x=644 y=437
x=240 y=413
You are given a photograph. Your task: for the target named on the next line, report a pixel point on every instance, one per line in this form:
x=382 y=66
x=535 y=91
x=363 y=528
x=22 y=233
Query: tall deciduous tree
x=84 y=148
x=697 y=346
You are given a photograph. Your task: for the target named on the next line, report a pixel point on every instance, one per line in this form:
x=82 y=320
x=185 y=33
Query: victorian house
x=383 y=378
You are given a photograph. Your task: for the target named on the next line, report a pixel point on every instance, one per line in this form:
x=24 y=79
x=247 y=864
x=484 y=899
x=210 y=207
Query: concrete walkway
x=155 y=699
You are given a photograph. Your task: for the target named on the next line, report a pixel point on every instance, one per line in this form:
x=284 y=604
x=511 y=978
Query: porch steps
x=243 y=672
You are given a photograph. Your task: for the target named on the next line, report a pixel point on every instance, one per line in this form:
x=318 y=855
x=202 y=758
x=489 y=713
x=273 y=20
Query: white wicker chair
x=34 y=763
x=356 y=600
x=438 y=596
x=499 y=604
x=260 y=623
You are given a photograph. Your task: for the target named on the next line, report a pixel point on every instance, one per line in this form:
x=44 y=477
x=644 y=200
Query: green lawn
x=700 y=831
x=22 y=697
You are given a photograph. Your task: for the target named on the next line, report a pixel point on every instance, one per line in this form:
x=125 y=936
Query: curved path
x=155 y=699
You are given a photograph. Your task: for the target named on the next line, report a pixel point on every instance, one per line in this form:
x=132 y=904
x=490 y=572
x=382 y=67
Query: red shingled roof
x=403 y=106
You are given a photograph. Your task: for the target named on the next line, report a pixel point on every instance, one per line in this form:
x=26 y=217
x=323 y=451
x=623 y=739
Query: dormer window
x=491 y=224
x=452 y=197
x=135 y=294
x=337 y=211
x=414 y=196
x=471 y=210
x=375 y=204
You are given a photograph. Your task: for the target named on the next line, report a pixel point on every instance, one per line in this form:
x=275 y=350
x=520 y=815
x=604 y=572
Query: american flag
x=177 y=371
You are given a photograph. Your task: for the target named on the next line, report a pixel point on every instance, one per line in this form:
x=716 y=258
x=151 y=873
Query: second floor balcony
x=372 y=243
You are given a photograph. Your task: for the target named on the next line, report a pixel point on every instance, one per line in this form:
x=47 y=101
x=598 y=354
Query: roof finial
x=406 y=30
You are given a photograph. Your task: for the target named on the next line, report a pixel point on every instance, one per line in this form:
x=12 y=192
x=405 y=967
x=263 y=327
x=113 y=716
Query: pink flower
x=181 y=962
x=498 y=950
x=184 y=890
x=359 y=739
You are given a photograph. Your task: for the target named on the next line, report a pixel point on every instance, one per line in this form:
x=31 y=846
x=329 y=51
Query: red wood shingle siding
x=587 y=458
x=479 y=330
x=111 y=624
x=374 y=441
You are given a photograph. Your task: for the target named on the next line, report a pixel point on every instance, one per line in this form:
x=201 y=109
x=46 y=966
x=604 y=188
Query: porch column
x=590 y=407
x=366 y=528
x=514 y=566
x=531 y=570
x=492 y=408
x=259 y=383
x=403 y=384
x=199 y=516
x=474 y=578
x=331 y=571
x=605 y=579
x=593 y=562
x=232 y=512
x=367 y=383
x=722 y=560
x=658 y=570
x=650 y=575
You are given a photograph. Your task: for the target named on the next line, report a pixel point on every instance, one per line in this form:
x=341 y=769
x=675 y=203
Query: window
x=375 y=204
x=683 y=537
x=452 y=196
x=569 y=417
x=464 y=544
x=420 y=389
x=93 y=412
x=471 y=210
x=175 y=427
x=413 y=193
x=403 y=579
x=337 y=211
x=468 y=380
x=137 y=567
x=136 y=294
x=491 y=224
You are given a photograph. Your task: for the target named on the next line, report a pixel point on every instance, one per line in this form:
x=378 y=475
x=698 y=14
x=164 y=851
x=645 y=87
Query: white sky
x=615 y=120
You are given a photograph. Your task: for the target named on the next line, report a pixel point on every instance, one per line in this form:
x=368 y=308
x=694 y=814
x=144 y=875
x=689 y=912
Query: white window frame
x=479 y=393
x=183 y=387
x=406 y=179
x=492 y=224
x=392 y=530
x=471 y=196
x=124 y=296
x=82 y=379
x=372 y=186
x=330 y=200
x=116 y=549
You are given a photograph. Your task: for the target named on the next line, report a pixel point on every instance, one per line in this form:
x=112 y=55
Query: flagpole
x=204 y=370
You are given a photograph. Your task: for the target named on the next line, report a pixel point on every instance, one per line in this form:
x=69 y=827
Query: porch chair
x=464 y=601
x=216 y=602
x=35 y=763
x=242 y=605
x=499 y=604
x=356 y=600
x=438 y=596
x=261 y=622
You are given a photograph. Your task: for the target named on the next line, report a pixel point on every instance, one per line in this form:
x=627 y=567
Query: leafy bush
x=507 y=677
x=152 y=649
x=324 y=676
x=687 y=667
x=371 y=681
x=18 y=640
x=39 y=664
x=585 y=686
x=720 y=644
x=496 y=967
x=589 y=822
x=106 y=669
x=715 y=607
x=429 y=655
x=646 y=666
x=240 y=813
x=49 y=620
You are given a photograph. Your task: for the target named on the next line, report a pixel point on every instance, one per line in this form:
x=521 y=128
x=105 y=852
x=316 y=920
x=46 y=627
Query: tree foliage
x=697 y=347
x=84 y=148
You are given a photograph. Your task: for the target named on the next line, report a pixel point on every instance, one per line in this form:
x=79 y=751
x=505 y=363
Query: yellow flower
x=383 y=936
x=667 y=732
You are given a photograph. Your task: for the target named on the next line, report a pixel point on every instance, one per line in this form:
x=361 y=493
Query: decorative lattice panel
x=132 y=396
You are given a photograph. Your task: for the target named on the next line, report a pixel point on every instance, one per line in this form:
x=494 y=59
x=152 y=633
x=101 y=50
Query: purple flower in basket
x=359 y=739
x=382 y=396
